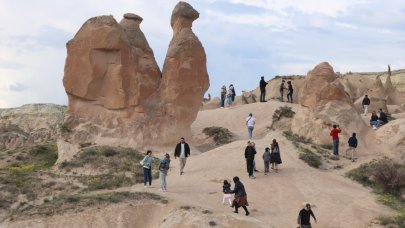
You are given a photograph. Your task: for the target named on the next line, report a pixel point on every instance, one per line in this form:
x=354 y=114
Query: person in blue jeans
x=335 y=138
x=250 y=123
x=147 y=168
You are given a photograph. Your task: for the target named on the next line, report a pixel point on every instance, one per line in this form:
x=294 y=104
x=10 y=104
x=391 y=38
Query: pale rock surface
x=30 y=124
x=323 y=102
x=392 y=134
x=117 y=93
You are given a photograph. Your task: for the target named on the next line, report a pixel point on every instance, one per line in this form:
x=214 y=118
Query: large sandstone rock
x=323 y=102
x=117 y=93
x=30 y=124
x=392 y=134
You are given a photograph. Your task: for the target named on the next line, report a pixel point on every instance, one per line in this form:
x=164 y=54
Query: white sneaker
x=145 y=186
x=374 y=127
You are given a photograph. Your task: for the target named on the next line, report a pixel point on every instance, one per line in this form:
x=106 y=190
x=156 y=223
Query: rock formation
x=323 y=102
x=30 y=124
x=118 y=95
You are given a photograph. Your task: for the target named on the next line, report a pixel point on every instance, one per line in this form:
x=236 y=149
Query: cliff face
x=30 y=124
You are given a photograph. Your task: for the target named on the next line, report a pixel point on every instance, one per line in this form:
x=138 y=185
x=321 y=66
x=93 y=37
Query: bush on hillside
x=296 y=138
x=220 y=135
x=283 y=112
x=389 y=176
x=310 y=158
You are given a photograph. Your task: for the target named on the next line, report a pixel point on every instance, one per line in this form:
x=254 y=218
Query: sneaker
x=145 y=186
x=247 y=213
x=252 y=177
x=374 y=127
x=161 y=190
x=181 y=173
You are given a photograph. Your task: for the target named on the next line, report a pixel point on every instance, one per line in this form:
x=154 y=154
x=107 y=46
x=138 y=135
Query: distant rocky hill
x=30 y=124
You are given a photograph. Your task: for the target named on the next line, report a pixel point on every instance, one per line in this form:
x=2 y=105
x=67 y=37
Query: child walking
x=164 y=166
x=266 y=159
x=226 y=188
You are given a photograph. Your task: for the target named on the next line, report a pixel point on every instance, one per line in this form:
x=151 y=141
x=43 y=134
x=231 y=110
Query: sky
x=243 y=39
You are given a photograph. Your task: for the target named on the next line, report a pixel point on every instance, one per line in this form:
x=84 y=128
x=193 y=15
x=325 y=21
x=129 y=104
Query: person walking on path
x=263 y=85
x=147 y=169
x=250 y=123
x=335 y=138
x=250 y=152
x=240 y=196
x=226 y=189
x=182 y=151
x=352 y=145
x=232 y=88
x=164 y=166
x=223 y=95
x=266 y=159
x=282 y=88
x=365 y=103
x=275 y=158
x=304 y=217
x=290 y=92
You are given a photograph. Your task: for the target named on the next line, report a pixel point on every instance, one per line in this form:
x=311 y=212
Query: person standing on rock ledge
x=282 y=88
x=182 y=151
x=365 y=103
x=290 y=92
x=335 y=137
x=263 y=85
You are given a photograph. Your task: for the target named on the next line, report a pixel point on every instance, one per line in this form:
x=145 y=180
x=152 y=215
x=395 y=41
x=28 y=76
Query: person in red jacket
x=335 y=137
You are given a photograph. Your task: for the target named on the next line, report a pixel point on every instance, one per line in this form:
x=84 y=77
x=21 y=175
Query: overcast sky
x=243 y=39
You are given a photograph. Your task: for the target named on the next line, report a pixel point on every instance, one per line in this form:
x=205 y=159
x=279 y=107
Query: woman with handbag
x=147 y=168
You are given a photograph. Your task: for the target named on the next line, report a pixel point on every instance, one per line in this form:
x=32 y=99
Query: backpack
x=163 y=165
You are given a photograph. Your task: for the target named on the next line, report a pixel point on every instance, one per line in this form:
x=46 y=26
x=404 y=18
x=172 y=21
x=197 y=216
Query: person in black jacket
x=365 y=103
x=304 y=217
x=383 y=117
x=290 y=92
x=352 y=145
x=250 y=152
x=182 y=151
x=240 y=196
x=263 y=85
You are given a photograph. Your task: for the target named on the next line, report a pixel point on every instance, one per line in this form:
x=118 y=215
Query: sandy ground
x=275 y=199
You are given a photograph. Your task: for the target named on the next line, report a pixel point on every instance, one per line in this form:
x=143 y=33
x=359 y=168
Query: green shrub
x=283 y=112
x=389 y=176
x=310 y=158
x=65 y=128
x=362 y=174
x=220 y=135
x=296 y=138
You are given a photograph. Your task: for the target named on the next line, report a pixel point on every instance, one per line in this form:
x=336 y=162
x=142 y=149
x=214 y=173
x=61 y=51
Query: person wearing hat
x=250 y=123
x=304 y=217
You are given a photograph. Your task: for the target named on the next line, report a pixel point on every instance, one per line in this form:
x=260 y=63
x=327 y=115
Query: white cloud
x=261 y=37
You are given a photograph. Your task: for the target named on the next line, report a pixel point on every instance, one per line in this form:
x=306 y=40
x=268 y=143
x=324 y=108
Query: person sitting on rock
x=374 y=121
x=383 y=119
